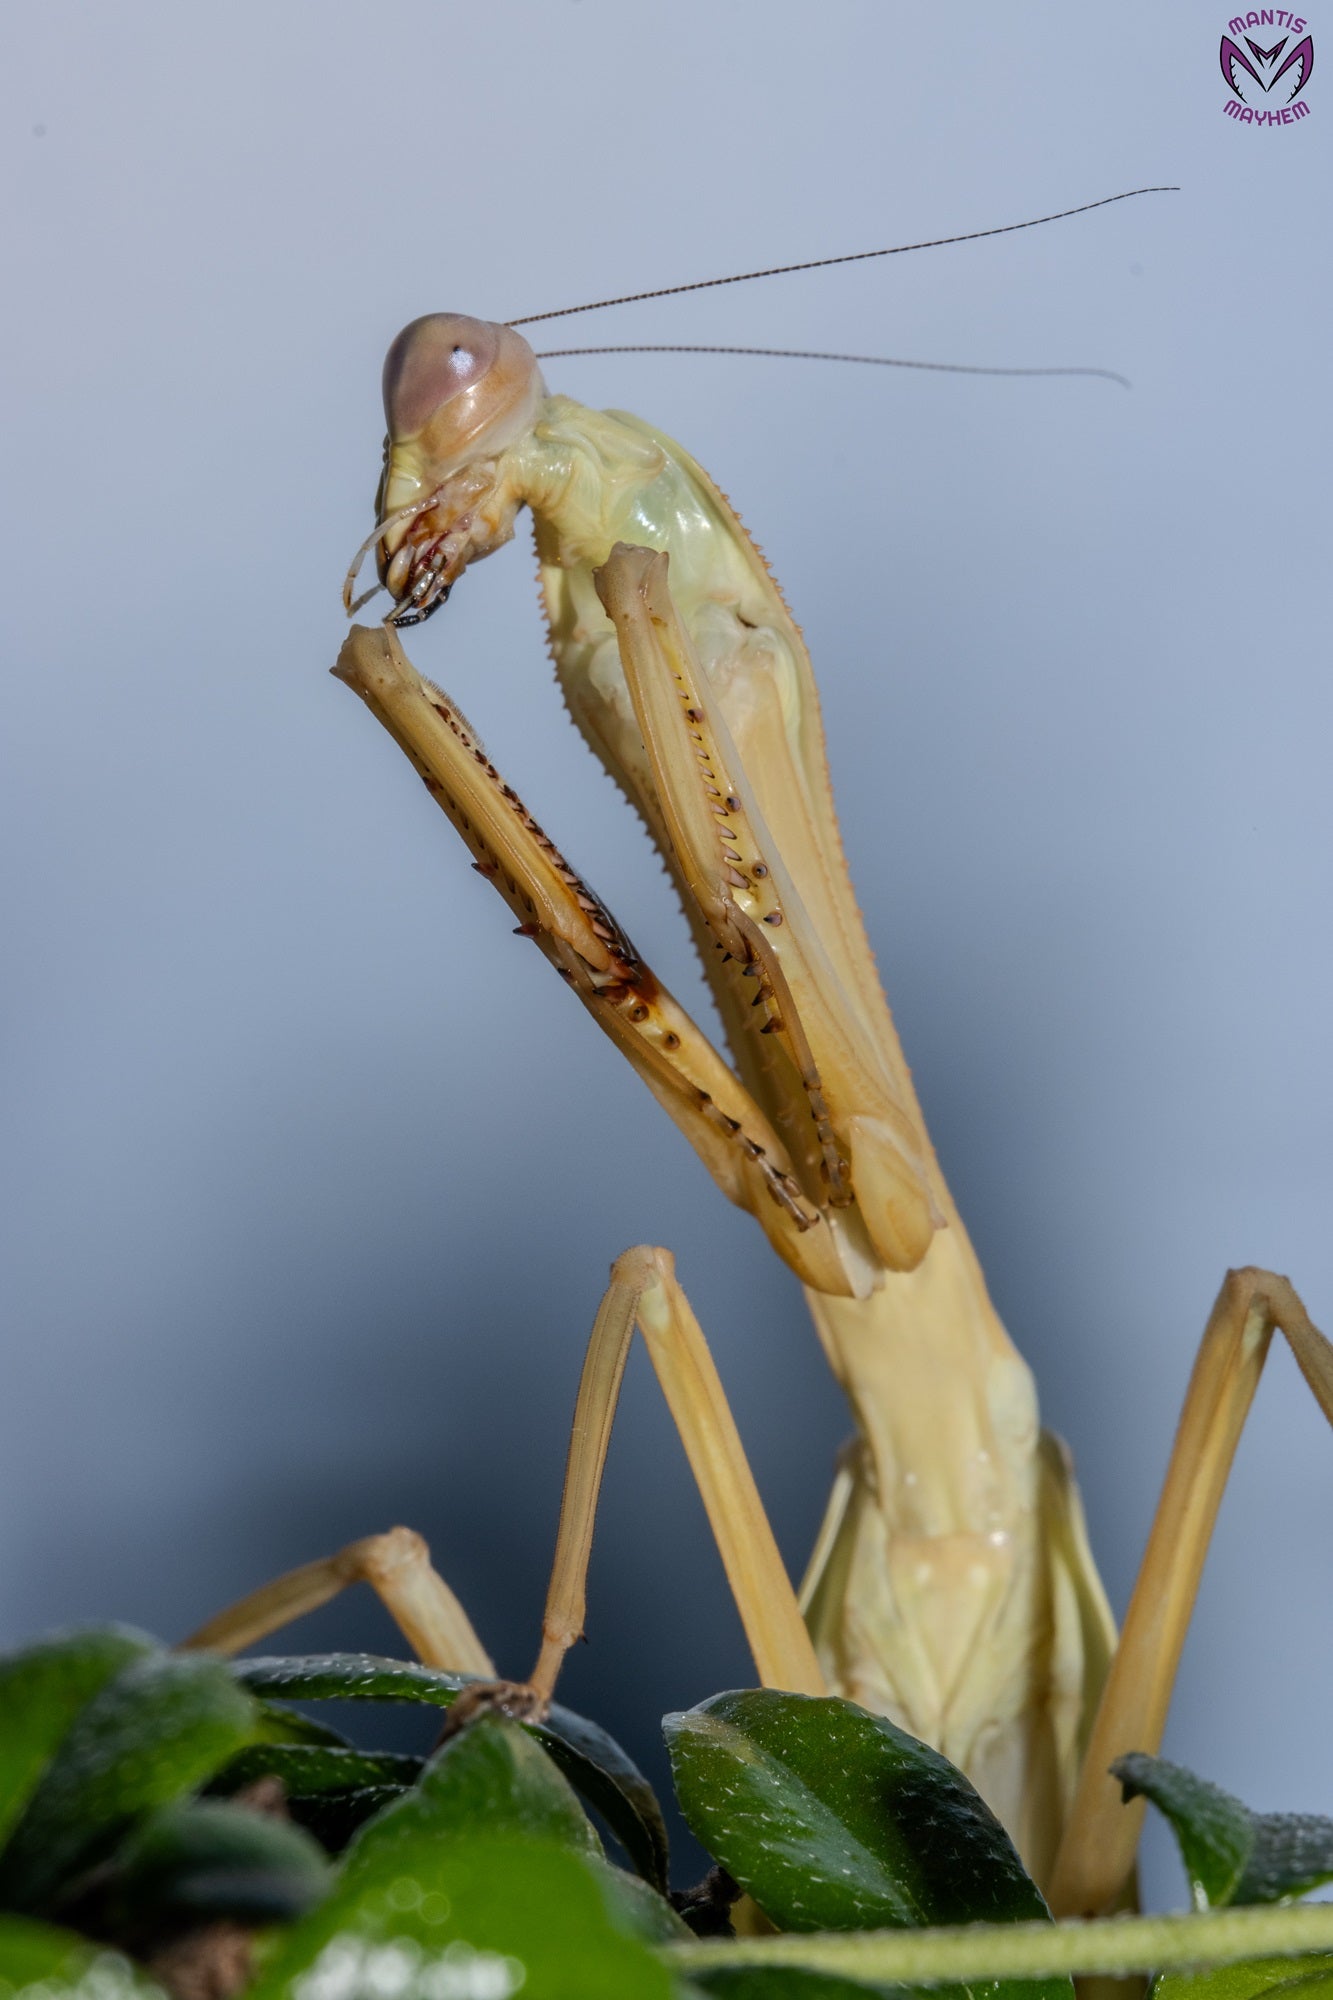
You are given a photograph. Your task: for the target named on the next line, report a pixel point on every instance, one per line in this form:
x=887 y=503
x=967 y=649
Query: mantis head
x=457 y=392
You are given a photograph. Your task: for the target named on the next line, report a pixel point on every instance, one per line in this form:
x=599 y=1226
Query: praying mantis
x=952 y=1584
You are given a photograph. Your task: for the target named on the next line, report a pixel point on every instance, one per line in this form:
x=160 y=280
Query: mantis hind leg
x=1097 y=1852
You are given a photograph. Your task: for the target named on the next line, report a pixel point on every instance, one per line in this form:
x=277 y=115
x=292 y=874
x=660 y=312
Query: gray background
x=312 y=1173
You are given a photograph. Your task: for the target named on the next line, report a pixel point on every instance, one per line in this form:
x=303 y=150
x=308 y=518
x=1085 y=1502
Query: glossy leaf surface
x=612 y=1784
x=348 y=1677
x=834 y=1819
x=593 y=1762
x=490 y=1779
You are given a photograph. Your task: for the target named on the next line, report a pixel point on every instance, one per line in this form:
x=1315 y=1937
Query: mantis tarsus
x=952 y=1585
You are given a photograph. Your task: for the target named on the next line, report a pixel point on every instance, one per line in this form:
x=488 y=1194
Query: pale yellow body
x=951 y=1587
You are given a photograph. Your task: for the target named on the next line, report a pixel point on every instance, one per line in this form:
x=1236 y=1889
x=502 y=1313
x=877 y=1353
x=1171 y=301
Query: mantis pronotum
x=952 y=1585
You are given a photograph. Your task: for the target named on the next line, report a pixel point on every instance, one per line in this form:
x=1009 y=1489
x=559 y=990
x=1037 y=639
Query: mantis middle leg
x=643 y=1291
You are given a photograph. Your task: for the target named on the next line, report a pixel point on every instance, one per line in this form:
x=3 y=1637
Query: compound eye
x=432 y=362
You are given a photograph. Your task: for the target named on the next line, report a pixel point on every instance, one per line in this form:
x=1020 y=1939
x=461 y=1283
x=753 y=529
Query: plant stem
x=1030 y=1951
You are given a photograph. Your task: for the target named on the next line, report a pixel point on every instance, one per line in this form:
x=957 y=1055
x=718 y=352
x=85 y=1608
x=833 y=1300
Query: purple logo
x=1266 y=75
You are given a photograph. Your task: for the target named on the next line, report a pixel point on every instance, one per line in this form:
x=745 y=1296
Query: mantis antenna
x=848 y=257
x=819 y=264
x=814 y=354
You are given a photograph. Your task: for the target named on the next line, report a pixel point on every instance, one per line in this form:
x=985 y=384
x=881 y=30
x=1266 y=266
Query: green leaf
x=489 y=1779
x=593 y=1762
x=640 y=1909
x=485 y=1915
x=490 y=1854
x=794 y=1982
x=1231 y=1855
x=349 y=1677
x=330 y=1789
x=310 y=1768
x=279 y=1724
x=1292 y=1853
x=335 y=1818
x=42 y=1689
x=36 y=1956
x=204 y=1862
x=834 y=1819
x=1305 y=1978
x=613 y=1785
x=155 y=1732
x=1215 y=1832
